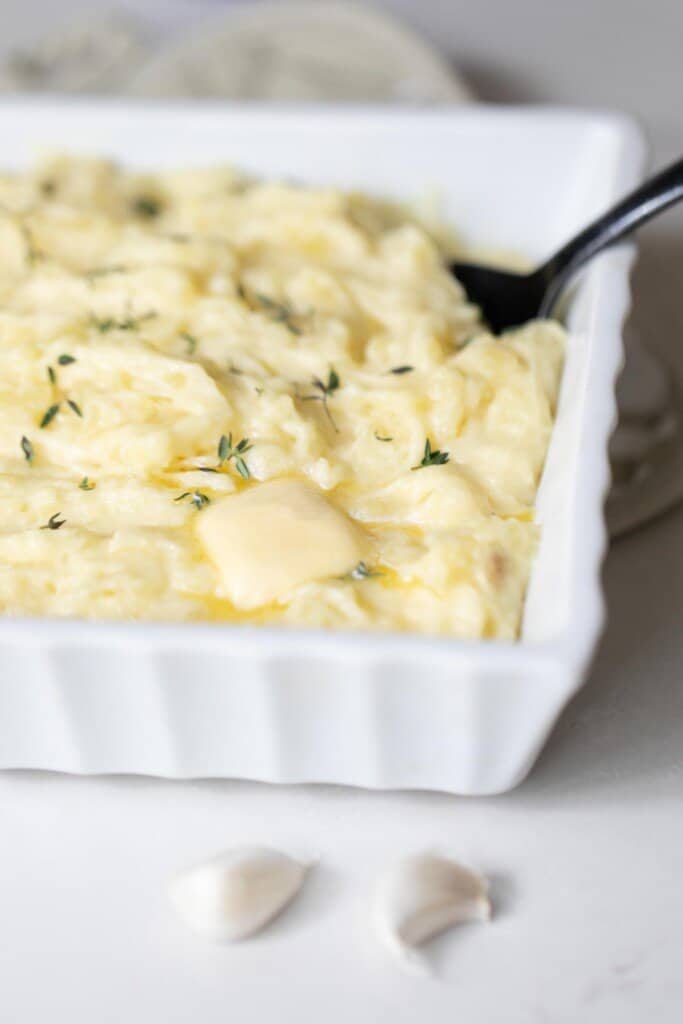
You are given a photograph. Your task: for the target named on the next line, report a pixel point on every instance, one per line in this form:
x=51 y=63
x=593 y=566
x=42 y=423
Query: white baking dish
x=364 y=709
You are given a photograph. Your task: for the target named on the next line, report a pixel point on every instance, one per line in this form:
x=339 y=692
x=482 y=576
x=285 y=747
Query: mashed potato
x=172 y=342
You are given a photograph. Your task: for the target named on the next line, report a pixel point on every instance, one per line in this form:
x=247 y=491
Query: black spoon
x=508 y=299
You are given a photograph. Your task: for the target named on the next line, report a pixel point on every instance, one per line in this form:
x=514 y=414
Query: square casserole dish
x=365 y=709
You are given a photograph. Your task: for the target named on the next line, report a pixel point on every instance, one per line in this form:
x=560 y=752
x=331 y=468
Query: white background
x=585 y=857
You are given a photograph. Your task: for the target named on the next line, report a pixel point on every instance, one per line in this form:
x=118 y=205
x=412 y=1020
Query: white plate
x=646 y=450
x=301 y=51
x=374 y=710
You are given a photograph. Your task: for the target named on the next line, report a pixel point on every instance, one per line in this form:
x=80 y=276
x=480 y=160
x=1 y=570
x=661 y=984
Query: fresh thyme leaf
x=129 y=323
x=27 y=449
x=207 y=469
x=267 y=302
x=380 y=438
x=398 y=370
x=133 y=322
x=33 y=253
x=87 y=484
x=432 y=458
x=363 y=572
x=333 y=382
x=115 y=268
x=241 y=467
x=197 y=498
x=146 y=206
x=54 y=522
x=227 y=451
x=326 y=389
x=191 y=342
x=49 y=415
x=280 y=312
x=103 y=326
x=63 y=360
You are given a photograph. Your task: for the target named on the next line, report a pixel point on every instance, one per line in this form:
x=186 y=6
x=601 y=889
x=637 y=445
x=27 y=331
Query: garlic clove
x=425 y=894
x=236 y=893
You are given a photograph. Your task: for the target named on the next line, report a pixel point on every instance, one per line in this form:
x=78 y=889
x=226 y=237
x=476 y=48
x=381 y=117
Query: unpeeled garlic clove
x=425 y=894
x=236 y=893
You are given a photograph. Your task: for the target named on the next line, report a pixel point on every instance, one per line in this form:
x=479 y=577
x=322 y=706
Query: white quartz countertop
x=585 y=857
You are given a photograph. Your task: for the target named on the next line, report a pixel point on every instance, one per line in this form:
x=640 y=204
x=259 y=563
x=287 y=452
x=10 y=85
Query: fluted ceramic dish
x=366 y=709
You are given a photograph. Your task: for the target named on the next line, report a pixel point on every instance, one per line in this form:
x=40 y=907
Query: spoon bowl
x=505 y=298
x=508 y=299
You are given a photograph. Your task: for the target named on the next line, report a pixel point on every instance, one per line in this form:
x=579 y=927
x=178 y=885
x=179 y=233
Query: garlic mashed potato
x=257 y=402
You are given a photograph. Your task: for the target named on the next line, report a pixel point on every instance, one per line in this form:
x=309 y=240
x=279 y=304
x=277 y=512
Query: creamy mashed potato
x=172 y=342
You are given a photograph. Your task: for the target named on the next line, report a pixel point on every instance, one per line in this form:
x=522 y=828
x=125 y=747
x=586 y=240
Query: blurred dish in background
x=645 y=452
x=302 y=51
x=308 y=52
x=93 y=54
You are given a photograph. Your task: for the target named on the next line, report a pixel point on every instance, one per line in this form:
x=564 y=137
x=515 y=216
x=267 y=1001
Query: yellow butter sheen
x=270 y=539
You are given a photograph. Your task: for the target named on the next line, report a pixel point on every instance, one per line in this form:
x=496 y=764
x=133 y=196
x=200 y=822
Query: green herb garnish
x=380 y=438
x=146 y=206
x=54 y=522
x=27 y=449
x=115 y=268
x=326 y=390
x=364 y=572
x=87 y=484
x=104 y=326
x=279 y=312
x=191 y=342
x=33 y=253
x=398 y=370
x=129 y=323
x=333 y=382
x=227 y=451
x=223 y=445
x=49 y=415
x=54 y=408
x=432 y=458
x=197 y=498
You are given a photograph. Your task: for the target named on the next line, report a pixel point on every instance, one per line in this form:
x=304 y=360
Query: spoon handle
x=655 y=194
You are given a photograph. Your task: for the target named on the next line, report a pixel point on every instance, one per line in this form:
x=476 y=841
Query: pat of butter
x=274 y=537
